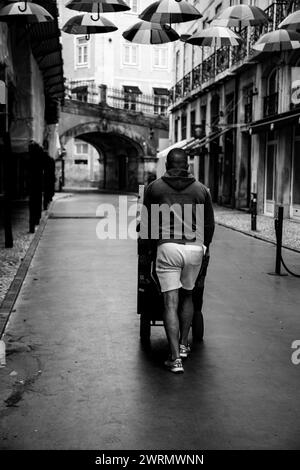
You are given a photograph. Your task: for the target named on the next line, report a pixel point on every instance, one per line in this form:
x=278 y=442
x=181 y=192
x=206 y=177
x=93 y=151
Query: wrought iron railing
x=271 y=104
x=89 y=92
x=226 y=57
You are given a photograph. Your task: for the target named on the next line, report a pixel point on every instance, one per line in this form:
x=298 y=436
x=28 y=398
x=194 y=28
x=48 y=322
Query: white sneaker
x=175 y=366
x=184 y=350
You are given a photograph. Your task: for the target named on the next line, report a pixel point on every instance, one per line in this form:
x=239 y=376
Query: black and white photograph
x=149 y=231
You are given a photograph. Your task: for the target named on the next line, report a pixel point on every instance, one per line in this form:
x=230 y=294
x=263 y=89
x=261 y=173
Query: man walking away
x=181 y=240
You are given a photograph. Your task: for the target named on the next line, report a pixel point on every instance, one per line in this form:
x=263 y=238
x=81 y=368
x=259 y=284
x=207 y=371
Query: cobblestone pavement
x=10 y=258
x=77 y=377
x=241 y=220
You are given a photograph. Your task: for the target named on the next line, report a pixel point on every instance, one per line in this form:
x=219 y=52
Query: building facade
x=136 y=78
x=239 y=110
x=31 y=90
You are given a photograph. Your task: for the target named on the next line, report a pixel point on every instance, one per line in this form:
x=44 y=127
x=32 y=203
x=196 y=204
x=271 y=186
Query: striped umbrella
x=28 y=11
x=241 y=15
x=216 y=36
x=278 y=41
x=98 y=6
x=170 y=11
x=291 y=22
x=144 y=32
x=83 y=24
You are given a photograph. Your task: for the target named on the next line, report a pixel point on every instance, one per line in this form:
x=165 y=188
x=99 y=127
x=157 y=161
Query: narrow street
x=87 y=382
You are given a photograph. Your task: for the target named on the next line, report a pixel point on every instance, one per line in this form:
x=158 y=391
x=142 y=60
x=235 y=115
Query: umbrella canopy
x=216 y=36
x=98 y=6
x=28 y=11
x=277 y=41
x=144 y=32
x=291 y=22
x=241 y=15
x=170 y=11
x=83 y=24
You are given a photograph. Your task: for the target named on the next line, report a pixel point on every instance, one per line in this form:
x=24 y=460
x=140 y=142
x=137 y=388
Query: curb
x=15 y=287
x=258 y=237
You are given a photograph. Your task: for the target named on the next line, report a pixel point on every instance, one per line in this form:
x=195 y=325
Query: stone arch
x=121 y=148
x=104 y=127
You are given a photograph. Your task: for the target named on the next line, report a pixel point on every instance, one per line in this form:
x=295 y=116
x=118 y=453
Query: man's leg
x=171 y=321
x=185 y=314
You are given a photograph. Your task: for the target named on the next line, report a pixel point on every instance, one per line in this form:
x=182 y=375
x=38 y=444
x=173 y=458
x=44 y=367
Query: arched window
x=271 y=98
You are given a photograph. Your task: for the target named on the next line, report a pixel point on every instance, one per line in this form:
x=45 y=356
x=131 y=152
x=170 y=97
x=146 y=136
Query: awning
x=164 y=153
x=79 y=89
x=134 y=90
x=198 y=143
x=160 y=91
x=276 y=122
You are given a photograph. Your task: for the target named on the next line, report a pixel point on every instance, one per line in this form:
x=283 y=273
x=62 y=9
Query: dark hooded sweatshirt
x=180 y=187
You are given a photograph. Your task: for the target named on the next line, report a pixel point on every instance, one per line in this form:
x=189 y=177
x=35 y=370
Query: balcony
x=226 y=58
x=270 y=105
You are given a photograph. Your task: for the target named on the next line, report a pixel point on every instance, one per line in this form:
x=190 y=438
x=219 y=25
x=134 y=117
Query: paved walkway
x=84 y=382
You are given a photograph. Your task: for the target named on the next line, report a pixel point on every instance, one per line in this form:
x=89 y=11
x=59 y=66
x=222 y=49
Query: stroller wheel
x=145 y=329
x=198 y=327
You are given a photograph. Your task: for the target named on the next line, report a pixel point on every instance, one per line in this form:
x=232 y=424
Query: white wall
x=106 y=63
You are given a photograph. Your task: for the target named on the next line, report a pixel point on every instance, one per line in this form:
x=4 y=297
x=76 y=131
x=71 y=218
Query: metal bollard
x=253 y=210
x=278 y=229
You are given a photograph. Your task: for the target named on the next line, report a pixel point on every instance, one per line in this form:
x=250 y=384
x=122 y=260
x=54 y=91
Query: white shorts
x=178 y=265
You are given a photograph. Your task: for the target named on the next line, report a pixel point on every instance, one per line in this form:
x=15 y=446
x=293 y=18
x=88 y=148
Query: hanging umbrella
x=144 y=32
x=28 y=11
x=241 y=15
x=291 y=22
x=83 y=24
x=98 y=6
x=216 y=36
x=278 y=41
x=170 y=11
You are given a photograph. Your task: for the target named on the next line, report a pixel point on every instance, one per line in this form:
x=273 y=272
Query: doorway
x=295 y=202
x=123 y=170
x=270 y=175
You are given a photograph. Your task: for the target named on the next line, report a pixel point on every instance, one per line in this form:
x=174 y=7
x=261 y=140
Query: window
x=177 y=65
x=248 y=103
x=130 y=54
x=193 y=120
x=82 y=52
x=131 y=93
x=183 y=126
x=271 y=98
x=160 y=57
x=81 y=148
x=81 y=161
x=176 y=126
x=185 y=58
x=160 y=104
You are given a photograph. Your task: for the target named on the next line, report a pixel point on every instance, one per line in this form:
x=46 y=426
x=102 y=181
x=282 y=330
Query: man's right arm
x=209 y=219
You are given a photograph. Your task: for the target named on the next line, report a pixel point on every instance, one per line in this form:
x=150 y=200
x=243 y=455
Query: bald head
x=177 y=159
